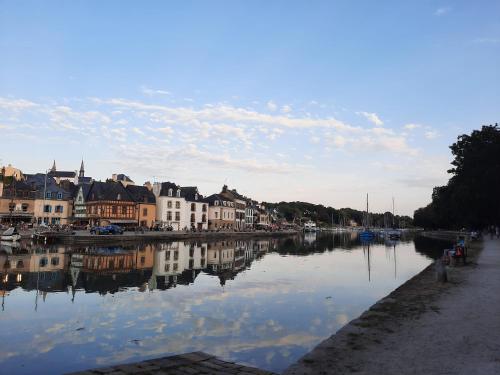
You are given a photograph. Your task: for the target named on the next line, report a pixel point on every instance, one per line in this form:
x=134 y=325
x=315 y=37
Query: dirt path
x=423 y=327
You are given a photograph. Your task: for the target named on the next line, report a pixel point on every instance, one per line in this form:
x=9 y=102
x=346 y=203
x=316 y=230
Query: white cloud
x=442 y=11
x=431 y=134
x=372 y=117
x=152 y=92
x=271 y=106
x=286 y=109
x=412 y=126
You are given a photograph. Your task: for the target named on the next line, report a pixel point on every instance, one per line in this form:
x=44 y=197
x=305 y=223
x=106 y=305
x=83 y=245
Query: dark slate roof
x=37 y=181
x=84 y=180
x=168 y=185
x=141 y=194
x=122 y=177
x=189 y=193
x=215 y=197
x=64 y=174
x=108 y=191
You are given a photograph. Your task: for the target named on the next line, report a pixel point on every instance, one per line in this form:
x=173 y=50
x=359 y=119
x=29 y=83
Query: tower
x=82 y=171
x=53 y=169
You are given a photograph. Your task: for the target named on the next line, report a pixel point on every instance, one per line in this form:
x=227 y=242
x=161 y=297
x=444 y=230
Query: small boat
x=367 y=234
x=11 y=234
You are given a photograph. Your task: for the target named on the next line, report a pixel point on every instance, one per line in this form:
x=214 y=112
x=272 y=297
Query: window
x=169 y=215
x=124 y=210
x=216 y=215
x=43 y=262
x=191 y=252
x=24 y=207
x=169 y=204
x=204 y=208
x=191 y=263
x=204 y=218
x=178 y=193
x=177 y=216
x=216 y=203
x=224 y=214
x=48 y=195
x=119 y=197
x=170 y=192
x=175 y=266
x=59 y=195
x=144 y=212
x=47 y=208
x=167 y=255
x=196 y=197
x=202 y=263
x=177 y=204
x=20 y=264
x=114 y=210
x=54 y=261
x=167 y=267
x=176 y=255
x=193 y=207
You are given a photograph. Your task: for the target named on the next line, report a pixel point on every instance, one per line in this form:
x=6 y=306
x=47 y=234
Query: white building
x=182 y=208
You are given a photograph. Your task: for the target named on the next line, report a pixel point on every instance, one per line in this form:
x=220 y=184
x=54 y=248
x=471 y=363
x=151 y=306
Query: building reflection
x=156 y=266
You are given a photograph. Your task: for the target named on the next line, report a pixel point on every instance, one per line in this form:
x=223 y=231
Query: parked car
x=98 y=230
x=114 y=229
x=107 y=229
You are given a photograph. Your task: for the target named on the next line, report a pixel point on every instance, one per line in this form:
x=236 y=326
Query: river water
x=261 y=302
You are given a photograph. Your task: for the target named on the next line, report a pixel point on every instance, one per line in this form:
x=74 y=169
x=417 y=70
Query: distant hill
x=303 y=211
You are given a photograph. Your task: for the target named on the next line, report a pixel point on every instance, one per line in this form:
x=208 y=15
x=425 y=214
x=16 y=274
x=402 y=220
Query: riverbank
x=85 y=238
x=423 y=327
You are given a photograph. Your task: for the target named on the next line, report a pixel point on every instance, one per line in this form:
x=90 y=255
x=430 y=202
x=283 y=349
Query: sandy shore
x=423 y=327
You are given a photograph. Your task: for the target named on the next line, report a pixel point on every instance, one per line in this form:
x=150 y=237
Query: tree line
x=300 y=212
x=471 y=198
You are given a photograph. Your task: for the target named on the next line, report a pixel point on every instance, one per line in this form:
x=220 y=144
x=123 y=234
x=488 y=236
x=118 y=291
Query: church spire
x=53 y=169
x=82 y=170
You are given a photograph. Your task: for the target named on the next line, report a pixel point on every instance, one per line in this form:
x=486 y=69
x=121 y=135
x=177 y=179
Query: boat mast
x=393 y=213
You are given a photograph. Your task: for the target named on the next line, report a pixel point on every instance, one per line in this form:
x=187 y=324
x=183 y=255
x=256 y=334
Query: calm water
x=260 y=302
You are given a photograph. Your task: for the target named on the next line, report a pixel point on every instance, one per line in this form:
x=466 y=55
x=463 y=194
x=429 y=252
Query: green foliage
x=472 y=196
x=300 y=212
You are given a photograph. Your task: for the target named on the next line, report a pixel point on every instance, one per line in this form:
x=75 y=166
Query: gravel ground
x=423 y=327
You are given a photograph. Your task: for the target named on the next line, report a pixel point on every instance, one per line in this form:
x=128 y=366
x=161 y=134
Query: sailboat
x=367 y=234
x=394 y=233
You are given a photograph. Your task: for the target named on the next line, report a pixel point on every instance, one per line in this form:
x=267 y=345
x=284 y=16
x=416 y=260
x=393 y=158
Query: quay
x=85 y=238
x=185 y=364
x=423 y=327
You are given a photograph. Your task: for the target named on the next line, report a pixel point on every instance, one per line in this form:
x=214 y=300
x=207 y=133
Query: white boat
x=310 y=226
x=11 y=234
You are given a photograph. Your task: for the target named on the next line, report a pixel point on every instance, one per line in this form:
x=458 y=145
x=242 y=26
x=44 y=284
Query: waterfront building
x=10 y=171
x=145 y=204
x=17 y=203
x=110 y=203
x=239 y=206
x=170 y=210
x=79 y=205
x=221 y=212
x=196 y=209
x=53 y=203
x=249 y=214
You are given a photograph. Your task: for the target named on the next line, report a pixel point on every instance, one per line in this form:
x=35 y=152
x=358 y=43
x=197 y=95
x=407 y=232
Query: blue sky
x=283 y=100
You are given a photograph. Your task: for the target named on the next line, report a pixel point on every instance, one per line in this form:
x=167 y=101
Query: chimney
x=224 y=189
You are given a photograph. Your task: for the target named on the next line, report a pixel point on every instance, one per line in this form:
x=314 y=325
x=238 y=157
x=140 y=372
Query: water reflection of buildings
x=111 y=269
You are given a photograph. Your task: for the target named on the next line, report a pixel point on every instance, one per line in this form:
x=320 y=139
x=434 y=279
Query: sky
x=318 y=101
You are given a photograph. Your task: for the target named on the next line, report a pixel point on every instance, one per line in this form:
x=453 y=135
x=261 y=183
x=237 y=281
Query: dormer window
x=178 y=193
x=118 y=197
x=216 y=203
x=48 y=195
x=170 y=192
x=196 y=197
x=59 y=195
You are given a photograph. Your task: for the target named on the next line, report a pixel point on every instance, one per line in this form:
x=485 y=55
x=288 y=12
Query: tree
x=472 y=196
